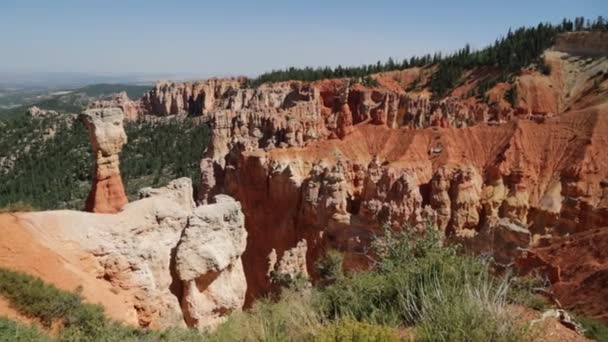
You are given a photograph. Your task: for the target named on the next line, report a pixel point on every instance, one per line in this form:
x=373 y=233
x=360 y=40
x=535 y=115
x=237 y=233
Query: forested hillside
x=46 y=163
x=517 y=49
x=16 y=103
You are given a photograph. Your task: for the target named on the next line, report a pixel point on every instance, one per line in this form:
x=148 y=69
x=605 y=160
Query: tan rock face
x=107 y=135
x=465 y=196
x=440 y=197
x=517 y=202
x=208 y=263
x=173 y=264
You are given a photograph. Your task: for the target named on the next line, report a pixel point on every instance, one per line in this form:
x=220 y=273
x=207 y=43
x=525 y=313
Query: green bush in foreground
x=80 y=321
x=330 y=266
x=415 y=282
x=353 y=331
x=525 y=291
x=594 y=329
x=418 y=282
x=33 y=298
x=13 y=331
x=292 y=318
x=474 y=311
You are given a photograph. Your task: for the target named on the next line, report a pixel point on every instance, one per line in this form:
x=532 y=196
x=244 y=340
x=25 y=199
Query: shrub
x=353 y=331
x=18 y=206
x=390 y=293
x=511 y=96
x=525 y=291
x=13 y=331
x=298 y=282
x=34 y=298
x=594 y=329
x=473 y=311
x=81 y=321
x=417 y=281
x=292 y=318
x=330 y=266
x=544 y=68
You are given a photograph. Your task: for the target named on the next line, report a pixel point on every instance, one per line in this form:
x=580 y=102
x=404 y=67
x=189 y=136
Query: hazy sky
x=247 y=37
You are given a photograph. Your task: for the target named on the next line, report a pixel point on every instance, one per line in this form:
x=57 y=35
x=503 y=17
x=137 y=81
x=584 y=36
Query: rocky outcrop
x=131 y=109
x=291 y=266
x=577 y=266
x=295 y=113
x=208 y=262
x=329 y=164
x=498 y=189
x=465 y=196
x=107 y=135
x=36 y=112
x=173 y=264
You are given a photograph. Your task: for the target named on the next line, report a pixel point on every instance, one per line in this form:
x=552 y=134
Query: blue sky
x=247 y=37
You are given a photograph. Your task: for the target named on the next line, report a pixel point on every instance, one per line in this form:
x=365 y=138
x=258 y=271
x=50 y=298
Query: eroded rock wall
x=498 y=189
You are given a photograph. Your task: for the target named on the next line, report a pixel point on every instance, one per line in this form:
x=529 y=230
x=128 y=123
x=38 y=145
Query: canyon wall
x=495 y=188
x=322 y=165
x=329 y=164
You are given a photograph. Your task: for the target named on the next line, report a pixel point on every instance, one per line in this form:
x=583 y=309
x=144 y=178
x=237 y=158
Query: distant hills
x=15 y=102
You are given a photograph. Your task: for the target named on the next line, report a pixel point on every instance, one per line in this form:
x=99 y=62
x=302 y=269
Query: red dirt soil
x=20 y=251
x=582 y=259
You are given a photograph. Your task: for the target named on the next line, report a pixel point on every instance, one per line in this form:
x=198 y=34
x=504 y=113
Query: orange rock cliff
x=326 y=164
x=296 y=168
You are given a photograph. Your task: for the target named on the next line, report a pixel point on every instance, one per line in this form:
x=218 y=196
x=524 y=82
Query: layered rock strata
x=107 y=135
x=333 y=162
x=500 y=189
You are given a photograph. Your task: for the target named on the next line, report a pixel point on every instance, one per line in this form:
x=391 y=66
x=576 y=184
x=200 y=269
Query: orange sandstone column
x=107 y=137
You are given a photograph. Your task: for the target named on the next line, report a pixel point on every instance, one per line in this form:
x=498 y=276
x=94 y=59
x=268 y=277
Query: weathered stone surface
x=290 y=266
x=465 y=195
x=208 y=183
x=208 y=262
x=107 y=139
x=440 y=197
x=510 y=238
x=174 y=264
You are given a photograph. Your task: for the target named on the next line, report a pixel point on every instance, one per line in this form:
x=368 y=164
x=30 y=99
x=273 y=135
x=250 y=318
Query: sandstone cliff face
x=171 y=263
x=208 y=262
x=107 y=135
x=497 y=188
x=332 y=162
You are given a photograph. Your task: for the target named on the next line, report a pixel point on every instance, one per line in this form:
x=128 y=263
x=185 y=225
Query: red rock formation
x=107 y=136
x=339 y=192
x=577 y=266
x=332 y=162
